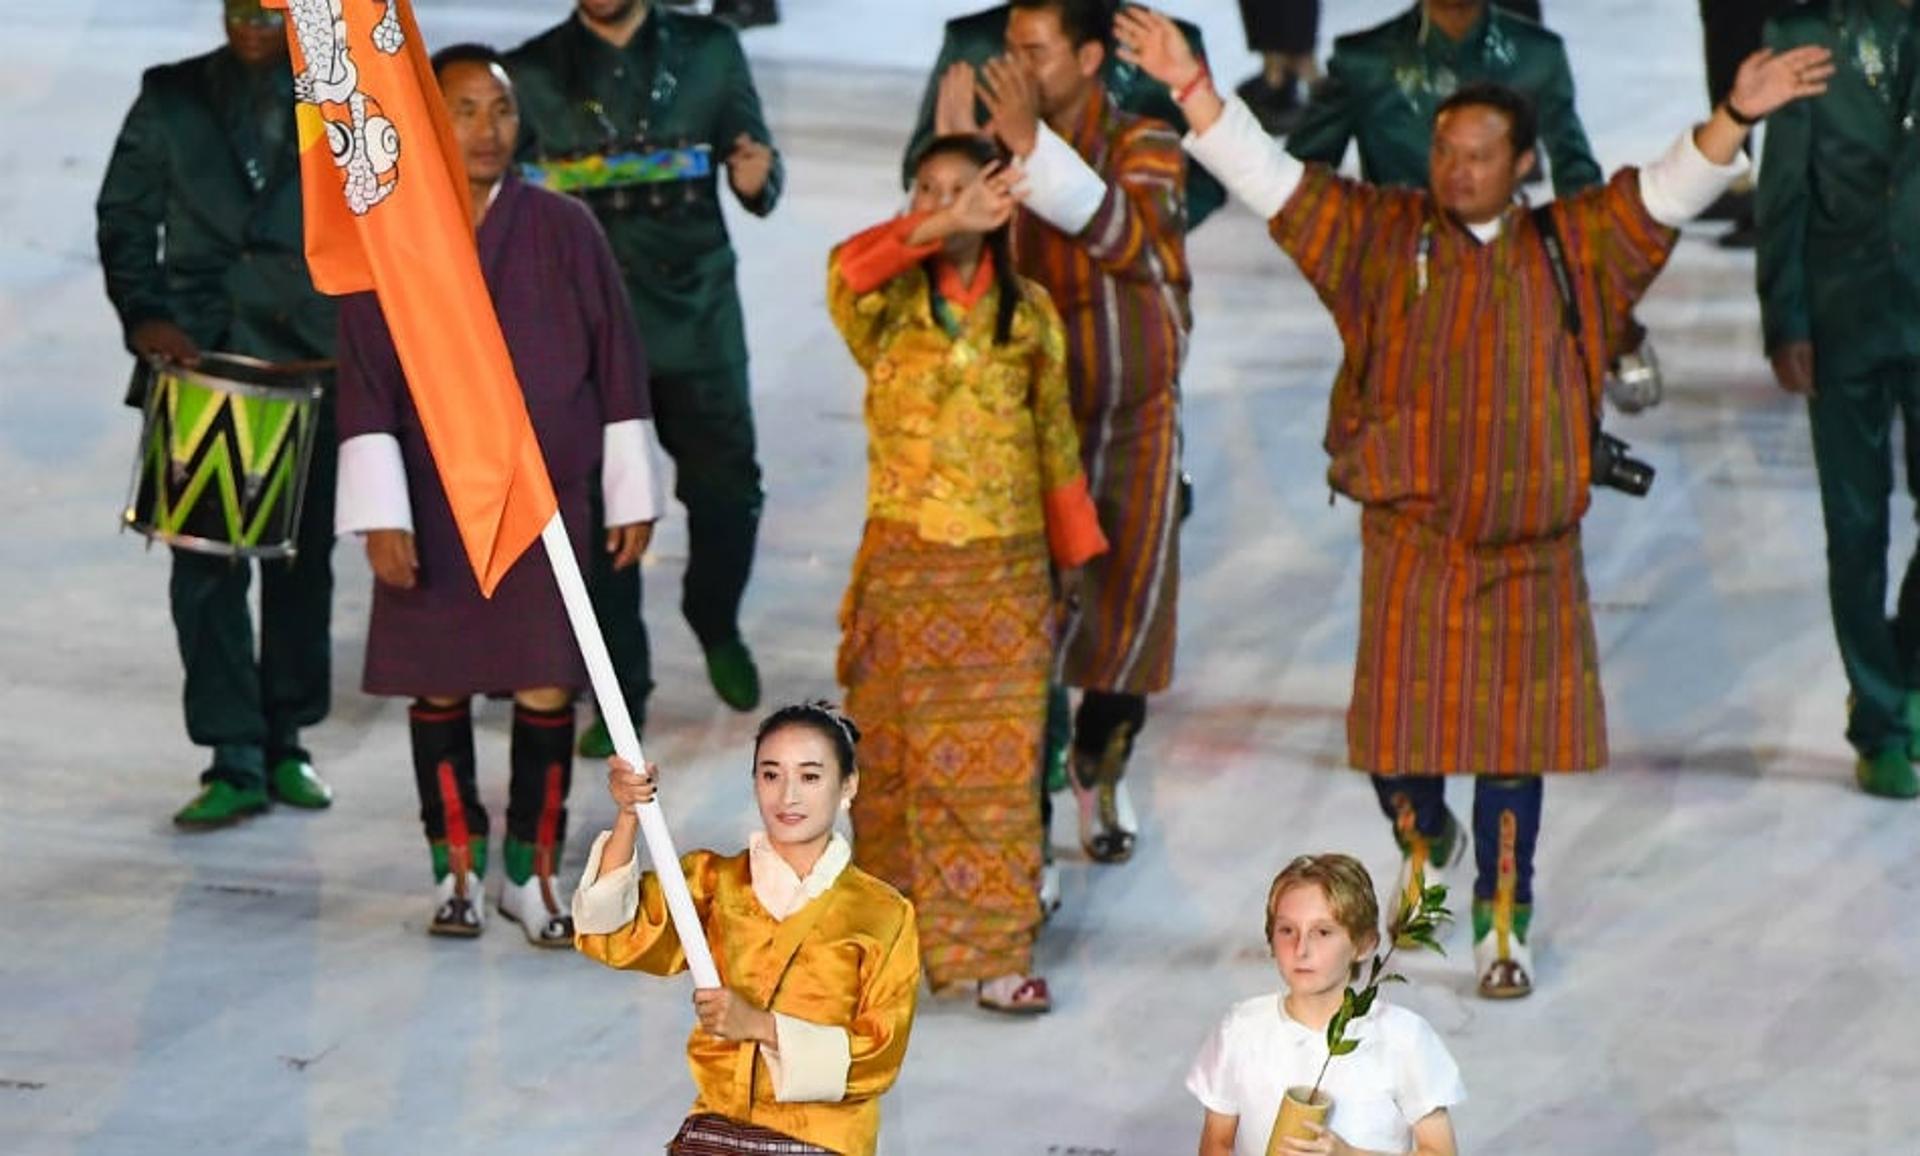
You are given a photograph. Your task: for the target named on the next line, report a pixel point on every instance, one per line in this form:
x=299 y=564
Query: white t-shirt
x=1399 y=1073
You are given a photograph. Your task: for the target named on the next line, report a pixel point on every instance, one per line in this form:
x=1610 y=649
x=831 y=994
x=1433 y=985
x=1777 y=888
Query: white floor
x=1726 y=944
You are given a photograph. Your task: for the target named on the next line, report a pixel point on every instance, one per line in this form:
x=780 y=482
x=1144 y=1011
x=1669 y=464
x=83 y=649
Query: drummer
x=200 y=240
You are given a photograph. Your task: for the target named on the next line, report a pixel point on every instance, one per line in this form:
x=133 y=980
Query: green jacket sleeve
x=1562 y=134
x=130 y=213
x=1327 y=127
x=929 y=103
x=742 y=114
x=1781 y=208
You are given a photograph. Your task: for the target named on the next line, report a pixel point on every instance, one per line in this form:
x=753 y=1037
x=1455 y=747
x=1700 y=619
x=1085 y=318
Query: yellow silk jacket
x=968 y=440
x=848 y=959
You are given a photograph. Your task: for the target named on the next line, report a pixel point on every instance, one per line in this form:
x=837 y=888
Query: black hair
x=1523 y=125
x=1084 y=21
x=983 y=152
x=466 y=53
x=824 y=719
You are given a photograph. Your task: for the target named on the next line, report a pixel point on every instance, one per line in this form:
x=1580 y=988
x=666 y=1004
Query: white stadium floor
x=1726 y=942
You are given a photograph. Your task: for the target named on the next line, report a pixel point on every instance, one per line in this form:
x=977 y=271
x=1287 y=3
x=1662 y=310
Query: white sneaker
x=1108 y=824
x=1505 y=965
x=457 y=906
x=534 y=906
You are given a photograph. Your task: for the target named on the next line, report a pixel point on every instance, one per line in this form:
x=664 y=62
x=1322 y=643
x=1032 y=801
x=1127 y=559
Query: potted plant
x=1418 y=922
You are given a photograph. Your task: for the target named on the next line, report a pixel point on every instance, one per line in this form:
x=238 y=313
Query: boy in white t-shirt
x=1391 y=1095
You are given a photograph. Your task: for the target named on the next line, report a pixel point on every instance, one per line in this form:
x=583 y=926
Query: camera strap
x=1569 y=300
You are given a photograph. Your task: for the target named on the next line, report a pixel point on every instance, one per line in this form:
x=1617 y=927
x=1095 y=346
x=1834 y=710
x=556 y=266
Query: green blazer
x=982 y=36
x=1839 y=196
x=682 y=81
x=191 y=178
x=1384 y=85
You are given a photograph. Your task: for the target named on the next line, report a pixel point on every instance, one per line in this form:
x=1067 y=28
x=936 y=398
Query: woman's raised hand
x=1152 y=43
x=988 y=202
x=628 y=786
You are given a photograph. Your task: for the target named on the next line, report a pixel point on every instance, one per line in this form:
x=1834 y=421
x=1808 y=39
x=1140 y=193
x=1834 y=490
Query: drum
x=222 y=462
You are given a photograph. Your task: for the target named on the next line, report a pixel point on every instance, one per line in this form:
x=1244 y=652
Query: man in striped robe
x=1462 y=423
x=1102 y=227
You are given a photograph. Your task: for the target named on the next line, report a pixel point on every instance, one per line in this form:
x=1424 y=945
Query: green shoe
x=220 y=804
x=595 y=742
x=294 y=782
x=1888 y=774
x=735 y=679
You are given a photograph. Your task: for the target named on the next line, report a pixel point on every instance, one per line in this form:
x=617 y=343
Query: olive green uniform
x=1839 y=266
x=200 y=224
x=682 y=81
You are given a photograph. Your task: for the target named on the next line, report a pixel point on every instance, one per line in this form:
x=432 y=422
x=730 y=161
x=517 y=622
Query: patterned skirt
x=1473 y=660
x=944 y=654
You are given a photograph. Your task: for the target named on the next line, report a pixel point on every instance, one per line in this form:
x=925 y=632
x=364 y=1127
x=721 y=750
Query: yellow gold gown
x=836 y=960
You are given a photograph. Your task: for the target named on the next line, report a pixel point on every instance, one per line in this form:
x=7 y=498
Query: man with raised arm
x=1463 y=422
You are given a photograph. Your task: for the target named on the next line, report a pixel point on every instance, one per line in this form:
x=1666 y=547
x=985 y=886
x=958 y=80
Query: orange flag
x=385 y=196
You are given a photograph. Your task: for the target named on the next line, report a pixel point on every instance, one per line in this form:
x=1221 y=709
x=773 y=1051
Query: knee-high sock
x=1506 y=826
x=1416 y=800
x=443 y=770
x=542 y=757
x=1101 y=716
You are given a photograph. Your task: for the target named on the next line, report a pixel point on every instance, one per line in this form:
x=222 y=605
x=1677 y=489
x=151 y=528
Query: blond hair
x=1345 y=883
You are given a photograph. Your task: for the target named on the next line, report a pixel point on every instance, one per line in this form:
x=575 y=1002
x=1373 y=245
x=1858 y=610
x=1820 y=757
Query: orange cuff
x=1073 y=526
x=870 y=259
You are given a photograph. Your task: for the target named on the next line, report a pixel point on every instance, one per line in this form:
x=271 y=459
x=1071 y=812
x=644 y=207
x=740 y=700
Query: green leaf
x=1364 y=1004
x=1393 y=977
x=1344 y=1047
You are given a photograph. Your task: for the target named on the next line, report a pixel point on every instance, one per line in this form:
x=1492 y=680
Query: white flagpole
x=613 y=709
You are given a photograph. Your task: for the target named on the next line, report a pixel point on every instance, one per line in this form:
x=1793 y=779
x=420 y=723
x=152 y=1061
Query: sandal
x=1015 y=995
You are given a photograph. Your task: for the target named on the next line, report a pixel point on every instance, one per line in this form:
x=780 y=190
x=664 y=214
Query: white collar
x=779 y=887
x=1486 y=231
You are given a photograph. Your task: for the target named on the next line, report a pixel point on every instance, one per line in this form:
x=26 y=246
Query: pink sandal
x=1016 y=995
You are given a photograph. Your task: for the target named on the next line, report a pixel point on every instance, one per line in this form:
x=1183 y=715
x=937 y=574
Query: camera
x=1614 y=468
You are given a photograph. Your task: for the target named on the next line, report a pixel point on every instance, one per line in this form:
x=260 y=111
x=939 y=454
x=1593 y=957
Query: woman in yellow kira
x=975 y=495
x=819 y=961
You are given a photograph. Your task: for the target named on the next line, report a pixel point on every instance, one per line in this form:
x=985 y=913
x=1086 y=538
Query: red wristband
x=1192 y=86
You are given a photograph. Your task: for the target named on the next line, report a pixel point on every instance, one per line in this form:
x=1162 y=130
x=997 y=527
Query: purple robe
x=571 y=333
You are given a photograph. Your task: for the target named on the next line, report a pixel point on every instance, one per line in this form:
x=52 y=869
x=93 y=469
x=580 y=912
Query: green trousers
x=249 y=707
x=705 y=423
x=1853 y=418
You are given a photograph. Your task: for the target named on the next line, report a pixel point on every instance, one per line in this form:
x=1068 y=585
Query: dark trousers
x=1852 y=422
x=1506 y=816
x=705 y=423
x=1286 y=27
x=250 y=707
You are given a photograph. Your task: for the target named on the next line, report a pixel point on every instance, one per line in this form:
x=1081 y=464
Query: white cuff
x=371 y=493
x=1060 y=186
x=629 y=483
x=606 y=902
x=809 y=1063
x=1251 y=164
x=1681 y=184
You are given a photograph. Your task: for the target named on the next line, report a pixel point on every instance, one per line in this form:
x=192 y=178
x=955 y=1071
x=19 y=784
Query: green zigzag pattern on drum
x=206 y=434
x=261 y=426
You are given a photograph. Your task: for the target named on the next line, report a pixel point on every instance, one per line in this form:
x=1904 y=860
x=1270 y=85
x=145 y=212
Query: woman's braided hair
x=823 y=718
